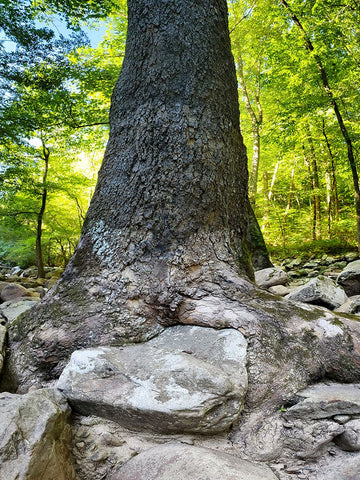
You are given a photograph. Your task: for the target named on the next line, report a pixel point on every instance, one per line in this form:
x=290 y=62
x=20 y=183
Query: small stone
x=293 y=470
x=112 y=440
x=352 y=305
x=269 y=277
x=351 y=256
x=279 y=290
x=342 y=418
x=320 y=291
x=349 y=278
x=2 y=345
x=99 y=456
x=11 y=310
x=325 y=400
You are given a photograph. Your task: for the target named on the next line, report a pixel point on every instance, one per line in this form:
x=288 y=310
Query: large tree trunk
x=171 y=202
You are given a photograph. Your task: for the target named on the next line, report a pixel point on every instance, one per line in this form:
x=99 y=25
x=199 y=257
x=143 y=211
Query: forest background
x=298 y=67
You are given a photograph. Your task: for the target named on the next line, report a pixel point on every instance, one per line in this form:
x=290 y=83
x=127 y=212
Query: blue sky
x=94 y=34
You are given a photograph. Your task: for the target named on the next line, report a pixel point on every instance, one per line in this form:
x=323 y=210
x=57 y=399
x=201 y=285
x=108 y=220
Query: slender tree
x=256 y=115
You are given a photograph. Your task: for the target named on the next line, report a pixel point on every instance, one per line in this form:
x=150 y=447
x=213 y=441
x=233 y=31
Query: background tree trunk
x=40 y=215
x=314 y=176
x=256 y=123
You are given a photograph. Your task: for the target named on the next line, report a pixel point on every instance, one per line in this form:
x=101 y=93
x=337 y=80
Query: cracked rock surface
x=188 y=379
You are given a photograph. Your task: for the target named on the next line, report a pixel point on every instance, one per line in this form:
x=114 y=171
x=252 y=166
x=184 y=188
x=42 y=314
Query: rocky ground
x=181 y=405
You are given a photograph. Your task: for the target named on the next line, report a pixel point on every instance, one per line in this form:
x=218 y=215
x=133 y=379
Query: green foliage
x=303 y=154
x=53 y=131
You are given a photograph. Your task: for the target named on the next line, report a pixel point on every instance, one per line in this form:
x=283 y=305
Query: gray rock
x=342 y=466
x=352 y=305
x=349 y=278
x=268 y=277
x=16 y=271
x=279 y=438
x=29 y=272
x=349 y=440
x=13 y=291
x=176 y=461
x=3 y=285
x=325 y=400
x=310 y=439
x=11 y=310
x=351 y=256
x=2 y=345
x=279 y=290
x=35 y=436
x=339 y=266
x=329 y=260
x=188 y=379
x=342 y=419
x=301 y=272
x=320 y=291
x=294 y=263
x=313 y=273
x=312 y=264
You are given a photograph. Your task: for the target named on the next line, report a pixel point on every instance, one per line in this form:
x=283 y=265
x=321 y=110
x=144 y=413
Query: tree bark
x=314 y=176
x=334 y=200
x=257 y=248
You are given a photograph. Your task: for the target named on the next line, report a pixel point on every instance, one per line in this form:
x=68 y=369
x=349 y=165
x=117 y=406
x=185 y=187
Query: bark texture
x=171 y=200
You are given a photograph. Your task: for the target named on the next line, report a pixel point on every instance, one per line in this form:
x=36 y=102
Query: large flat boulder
x=188 y=379
x=177 y=461
x=35 y=436
x=349 y=278
x=320 y=291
